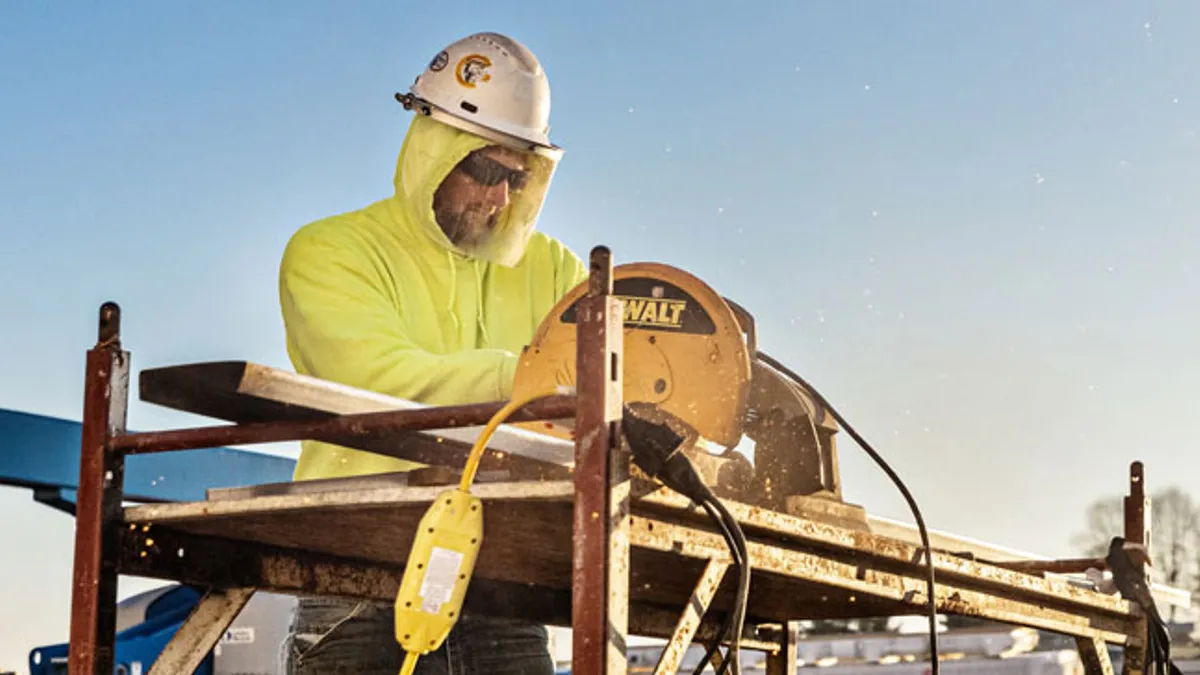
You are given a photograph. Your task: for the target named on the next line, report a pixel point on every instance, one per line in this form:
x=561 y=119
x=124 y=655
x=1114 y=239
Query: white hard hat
x=490 y=85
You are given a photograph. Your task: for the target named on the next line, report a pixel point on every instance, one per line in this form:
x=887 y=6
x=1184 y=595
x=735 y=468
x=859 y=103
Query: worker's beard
x=468 y=227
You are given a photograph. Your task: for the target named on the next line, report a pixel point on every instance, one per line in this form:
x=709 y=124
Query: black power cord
x=657 y=449
x=736 y=621
x=725 y=633
x=912 y=503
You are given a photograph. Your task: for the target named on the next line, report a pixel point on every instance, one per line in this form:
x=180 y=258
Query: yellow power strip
x=443 y=556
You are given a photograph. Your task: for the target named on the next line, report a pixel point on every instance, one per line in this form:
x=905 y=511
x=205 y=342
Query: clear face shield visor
x=488 y=205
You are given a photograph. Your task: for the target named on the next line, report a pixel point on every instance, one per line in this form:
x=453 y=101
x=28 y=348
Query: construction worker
x=429 y=295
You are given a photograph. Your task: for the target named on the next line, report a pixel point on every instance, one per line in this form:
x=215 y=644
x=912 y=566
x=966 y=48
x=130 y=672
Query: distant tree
x=1105 y=519
x=1174 y=535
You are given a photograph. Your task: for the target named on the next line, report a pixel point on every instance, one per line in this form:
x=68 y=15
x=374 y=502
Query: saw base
x=828 y=509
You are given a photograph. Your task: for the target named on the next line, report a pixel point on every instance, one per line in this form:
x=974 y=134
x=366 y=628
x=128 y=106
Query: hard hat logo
x=472 y=69
x=492 y=86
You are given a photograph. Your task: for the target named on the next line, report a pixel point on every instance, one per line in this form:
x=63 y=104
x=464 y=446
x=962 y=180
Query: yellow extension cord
x=443 y=554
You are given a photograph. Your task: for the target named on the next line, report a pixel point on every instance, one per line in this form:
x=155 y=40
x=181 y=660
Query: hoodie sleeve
x=343 y=326
x=571 y=271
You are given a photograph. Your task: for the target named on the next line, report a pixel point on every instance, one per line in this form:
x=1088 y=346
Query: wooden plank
x=690 y=618
x=796 y=573
x=782 y=661
x=423 y=477
x=859 y=547
x=803 y=569
x=195 y=639
x=245 y=392
x=211 y=562
x=993 y=553
x=1094 y=655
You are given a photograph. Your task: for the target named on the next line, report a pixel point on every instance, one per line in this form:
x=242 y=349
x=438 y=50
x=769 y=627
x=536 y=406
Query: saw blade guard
x=684 y=350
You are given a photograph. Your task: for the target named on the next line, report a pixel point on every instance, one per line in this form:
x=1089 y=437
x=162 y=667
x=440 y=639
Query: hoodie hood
x=431 y=150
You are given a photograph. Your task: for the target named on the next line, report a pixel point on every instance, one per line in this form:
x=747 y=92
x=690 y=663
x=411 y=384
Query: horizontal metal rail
x=341 y=426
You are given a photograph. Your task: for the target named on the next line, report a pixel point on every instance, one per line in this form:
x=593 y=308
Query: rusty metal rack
x=578 y=541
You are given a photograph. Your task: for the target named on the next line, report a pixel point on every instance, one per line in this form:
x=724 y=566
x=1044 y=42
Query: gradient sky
x=971 y=225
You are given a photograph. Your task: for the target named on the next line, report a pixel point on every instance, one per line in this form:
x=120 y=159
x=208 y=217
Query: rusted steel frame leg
x=1137 y=531
x=204 y=627
x=689 y=621
x=783 y=661
x=98 y=507
x=1094 y=654
x=600 y=577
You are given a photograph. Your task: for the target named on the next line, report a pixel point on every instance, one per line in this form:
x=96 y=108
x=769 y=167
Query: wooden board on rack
x=804 y=569
x=245 y=392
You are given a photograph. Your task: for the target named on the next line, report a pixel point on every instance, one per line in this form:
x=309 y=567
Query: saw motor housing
x=692 y=353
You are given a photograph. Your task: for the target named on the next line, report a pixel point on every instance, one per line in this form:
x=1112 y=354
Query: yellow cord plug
x=443 y=555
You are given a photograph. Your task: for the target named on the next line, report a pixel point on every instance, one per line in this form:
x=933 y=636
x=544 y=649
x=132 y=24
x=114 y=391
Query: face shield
x=488 y=204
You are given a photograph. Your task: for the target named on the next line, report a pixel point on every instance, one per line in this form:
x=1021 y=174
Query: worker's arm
x=571 y=271
x=343 y=326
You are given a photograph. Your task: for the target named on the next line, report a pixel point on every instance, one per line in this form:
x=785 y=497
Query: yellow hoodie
x=380 y=299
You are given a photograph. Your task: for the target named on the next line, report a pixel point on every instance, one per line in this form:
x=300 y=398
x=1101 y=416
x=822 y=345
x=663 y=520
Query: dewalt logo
x=657 y=304
x=659 y=313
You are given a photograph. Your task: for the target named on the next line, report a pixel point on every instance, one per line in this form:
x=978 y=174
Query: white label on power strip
x=438 y=585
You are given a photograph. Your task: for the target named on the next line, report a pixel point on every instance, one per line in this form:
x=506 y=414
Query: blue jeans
x=332 y=636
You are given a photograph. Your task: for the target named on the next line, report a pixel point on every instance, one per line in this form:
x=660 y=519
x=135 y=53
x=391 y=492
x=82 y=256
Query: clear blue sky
x=972 y=225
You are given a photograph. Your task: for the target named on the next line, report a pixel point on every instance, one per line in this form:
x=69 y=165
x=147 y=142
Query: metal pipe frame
x=597 y=607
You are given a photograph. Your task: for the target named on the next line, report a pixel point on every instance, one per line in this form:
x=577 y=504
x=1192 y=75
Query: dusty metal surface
x=600 y=545
x=423 y=477
x=782 y=660
x=689 y=619
x=162 y=552
x=1094 y=655
x=204 y=627
x=857 y=548
x=350 y=430
x=98 y=510
x=1002 y=556
x=804 y=569
x=1059 y=566
x=785 y=575
x=1137 y=531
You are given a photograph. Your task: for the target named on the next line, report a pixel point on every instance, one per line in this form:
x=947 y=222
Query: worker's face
x=469 y=202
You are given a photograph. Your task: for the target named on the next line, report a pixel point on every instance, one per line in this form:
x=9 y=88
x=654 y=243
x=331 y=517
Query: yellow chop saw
x=693 y=354
x=689 y=359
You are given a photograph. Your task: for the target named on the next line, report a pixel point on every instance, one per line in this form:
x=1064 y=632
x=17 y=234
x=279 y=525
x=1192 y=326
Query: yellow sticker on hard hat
x=472 y=69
